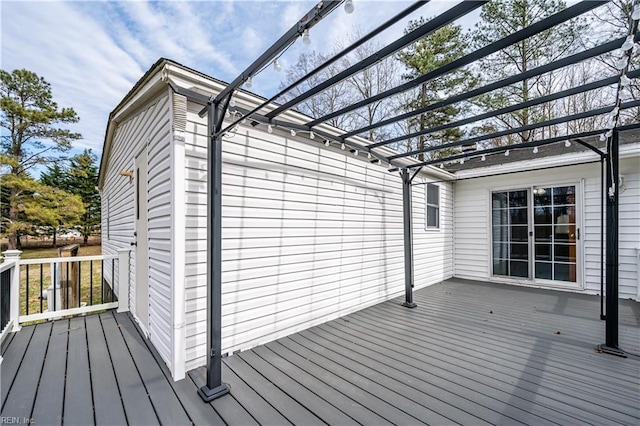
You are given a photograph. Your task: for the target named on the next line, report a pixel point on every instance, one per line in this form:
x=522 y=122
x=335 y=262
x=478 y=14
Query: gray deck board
x=166 y=403
x=534 y=376
x=276 y=397
x=531 y=380
x=12 y=358
x=49 y=401
x=138 y=407
x=424 y=367
x=231 y=411
x=356 y=411
x=470 y=353
x=20 y=401
x=322 y=409
x=107 y=403
x=351 y=394
x=251 y=400
x=199 y=413
x=78 y=403
x=424 y=407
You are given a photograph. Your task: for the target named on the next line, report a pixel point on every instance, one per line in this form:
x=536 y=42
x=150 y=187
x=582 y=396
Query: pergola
x=218 y=106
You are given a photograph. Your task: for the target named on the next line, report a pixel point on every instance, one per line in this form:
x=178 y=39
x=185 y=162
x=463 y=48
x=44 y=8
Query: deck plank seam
x=136 y=367
x=318 y=396
x=66 y=367
x=113 y=369
x=93 y=401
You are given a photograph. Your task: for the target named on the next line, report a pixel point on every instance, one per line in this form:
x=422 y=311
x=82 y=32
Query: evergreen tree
x=82 y=180
x=502 y=18
x=31 y=117
x=431 y=52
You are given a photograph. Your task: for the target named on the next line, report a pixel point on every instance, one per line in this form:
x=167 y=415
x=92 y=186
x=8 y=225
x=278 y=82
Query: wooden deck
x=471 y=353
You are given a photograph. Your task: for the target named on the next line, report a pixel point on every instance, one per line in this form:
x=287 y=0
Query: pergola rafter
x=217 y=107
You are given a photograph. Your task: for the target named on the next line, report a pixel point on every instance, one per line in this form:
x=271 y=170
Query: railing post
x=14 y=315
x=123 y=279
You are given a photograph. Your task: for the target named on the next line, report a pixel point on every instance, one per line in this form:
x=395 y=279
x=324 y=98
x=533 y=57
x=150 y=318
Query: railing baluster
x=113 y=277
x=102 y=281
x=41 y=274
x=27 y=290
x=91 y=283
x=67 y=288
x=79 y=288
x=55 y=288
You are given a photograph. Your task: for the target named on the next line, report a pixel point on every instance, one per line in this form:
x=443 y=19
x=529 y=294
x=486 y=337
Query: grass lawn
x=40 y=277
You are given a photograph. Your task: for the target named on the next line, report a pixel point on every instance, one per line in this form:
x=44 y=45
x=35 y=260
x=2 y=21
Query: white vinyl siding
x=472 y=221
x=151 y=127
x=309 y=234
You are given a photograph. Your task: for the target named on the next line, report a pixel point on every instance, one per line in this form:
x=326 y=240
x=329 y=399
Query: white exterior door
x=142 y=242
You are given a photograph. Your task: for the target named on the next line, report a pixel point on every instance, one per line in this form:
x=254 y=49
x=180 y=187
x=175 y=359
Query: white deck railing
x=44 y=289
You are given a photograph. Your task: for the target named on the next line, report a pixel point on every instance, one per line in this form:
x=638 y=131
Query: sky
x=93 y=52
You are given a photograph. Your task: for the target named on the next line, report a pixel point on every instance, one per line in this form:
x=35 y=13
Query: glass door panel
x=510 y=232
x=555 y=242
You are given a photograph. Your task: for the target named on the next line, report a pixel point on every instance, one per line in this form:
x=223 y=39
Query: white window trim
x=426 y=208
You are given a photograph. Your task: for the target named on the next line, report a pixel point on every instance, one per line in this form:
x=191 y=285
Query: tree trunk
x=55 y=234
x=86 y=239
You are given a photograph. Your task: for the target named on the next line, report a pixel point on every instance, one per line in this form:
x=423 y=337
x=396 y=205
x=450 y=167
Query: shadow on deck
x=471 y=353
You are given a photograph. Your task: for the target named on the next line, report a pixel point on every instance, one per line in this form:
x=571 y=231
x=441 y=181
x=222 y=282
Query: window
x=433 y=206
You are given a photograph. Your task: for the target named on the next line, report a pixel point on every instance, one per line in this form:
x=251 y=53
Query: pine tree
x=31 y=117
x=431 y=52
x=502 y=18
x=82 y=180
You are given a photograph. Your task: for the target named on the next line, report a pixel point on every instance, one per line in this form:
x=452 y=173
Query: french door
x=535 y=233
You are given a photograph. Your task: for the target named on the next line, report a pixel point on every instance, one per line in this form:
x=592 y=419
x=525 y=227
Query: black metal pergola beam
x=541 y=142
x=542 y=25
x=506 y=132
x=395 y=19
x=533 y=102
x=543 y=69
x=439 y=21
x=310 y=19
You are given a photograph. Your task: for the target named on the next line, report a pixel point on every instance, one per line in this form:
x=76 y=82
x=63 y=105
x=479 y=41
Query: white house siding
x=151 y=126
x=309 y=234
x=472 y=238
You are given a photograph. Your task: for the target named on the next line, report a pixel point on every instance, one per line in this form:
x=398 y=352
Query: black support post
x=214 y=387
x=408 y=239
x=611 y=327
